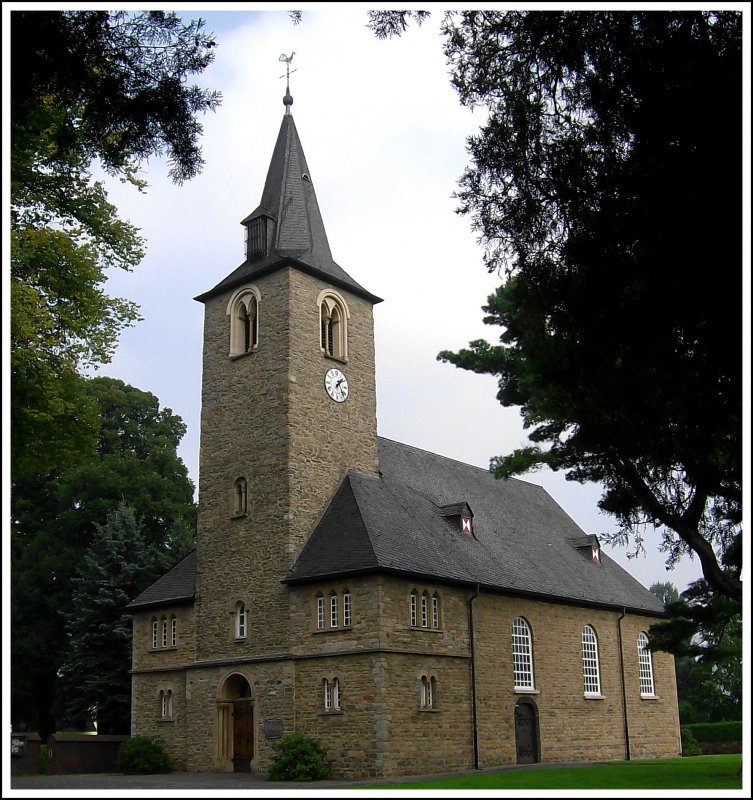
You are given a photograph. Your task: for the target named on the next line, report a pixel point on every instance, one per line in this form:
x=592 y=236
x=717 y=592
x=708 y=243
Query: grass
x=700 y=772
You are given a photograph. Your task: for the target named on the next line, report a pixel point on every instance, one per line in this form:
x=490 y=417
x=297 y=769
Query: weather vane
x=287 y=100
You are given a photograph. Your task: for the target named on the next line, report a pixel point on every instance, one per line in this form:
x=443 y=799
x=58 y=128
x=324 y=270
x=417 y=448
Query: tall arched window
x=241 y=621
x=243 y=310
x=590 y=649
x=645 y=666
x=327 y=696
x=347 y=609
x=522 y=654
x=333 y=612
x=425 y=610
x=336 y=694
x=413 y=609
x=435 y=610
x=174 y=631
x=333 y=322
x=428 y=691
x=164 y=631
x=155 y=633
x=166 y=704
x=320 y=611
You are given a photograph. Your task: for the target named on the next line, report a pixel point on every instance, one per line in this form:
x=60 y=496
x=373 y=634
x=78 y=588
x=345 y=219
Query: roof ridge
x=486 y=470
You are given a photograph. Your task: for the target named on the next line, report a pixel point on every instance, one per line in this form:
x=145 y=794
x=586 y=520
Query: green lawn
x=699 y=772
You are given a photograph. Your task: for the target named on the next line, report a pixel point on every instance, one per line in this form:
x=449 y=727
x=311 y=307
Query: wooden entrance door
x=526 y=733
x=243 y=735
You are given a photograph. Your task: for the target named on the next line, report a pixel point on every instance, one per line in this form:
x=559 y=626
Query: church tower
x=288 y=406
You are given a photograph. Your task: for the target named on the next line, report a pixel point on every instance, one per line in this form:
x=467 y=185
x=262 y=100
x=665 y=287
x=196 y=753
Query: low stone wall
x=71 y=753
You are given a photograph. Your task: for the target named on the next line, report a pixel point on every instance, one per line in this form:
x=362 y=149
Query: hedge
x=715 y=731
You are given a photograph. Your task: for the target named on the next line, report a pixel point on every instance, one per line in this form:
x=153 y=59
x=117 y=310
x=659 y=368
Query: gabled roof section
x=298 y=237
x=175 y=587
x=522 y=540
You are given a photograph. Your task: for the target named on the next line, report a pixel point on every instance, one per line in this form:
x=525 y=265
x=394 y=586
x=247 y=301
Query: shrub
x=141 y=755
x=299 y=757
x=689 y=744
x=716 y=731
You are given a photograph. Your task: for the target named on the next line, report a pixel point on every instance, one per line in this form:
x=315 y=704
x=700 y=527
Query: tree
x=117 y=566
x=54 y=518
x=85 y=85
x=596 y=203
x=664 y=591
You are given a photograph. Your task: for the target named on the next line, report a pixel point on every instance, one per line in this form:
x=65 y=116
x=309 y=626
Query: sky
x=385 y=140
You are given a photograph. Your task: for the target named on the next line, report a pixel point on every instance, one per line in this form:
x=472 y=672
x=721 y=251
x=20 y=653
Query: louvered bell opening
x=256 y=238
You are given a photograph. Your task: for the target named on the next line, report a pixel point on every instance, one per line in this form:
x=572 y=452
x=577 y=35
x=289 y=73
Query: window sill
x=594 y=697
x=166 y=721
x=649 y=697
x=426 y=629
x=239 y=515
x=526 y=691
x=234 y=356
x=334 y=713
x=342 y=629
x=428 y=711
x=240 y=639
x=339 y=359
x=163 y=649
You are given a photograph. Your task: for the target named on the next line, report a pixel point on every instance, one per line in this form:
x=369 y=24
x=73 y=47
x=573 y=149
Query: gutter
x=471 y=639
x=622 y=681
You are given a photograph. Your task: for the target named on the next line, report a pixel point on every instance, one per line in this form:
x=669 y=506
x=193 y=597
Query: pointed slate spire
x=287 y=226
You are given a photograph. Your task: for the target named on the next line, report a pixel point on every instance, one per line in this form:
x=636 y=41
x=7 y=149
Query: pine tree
x=118 y=565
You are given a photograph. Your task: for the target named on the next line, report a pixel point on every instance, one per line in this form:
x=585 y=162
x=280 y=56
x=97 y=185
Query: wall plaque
x=273 y=728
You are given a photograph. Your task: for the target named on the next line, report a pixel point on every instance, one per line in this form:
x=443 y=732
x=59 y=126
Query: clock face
x=336 y=385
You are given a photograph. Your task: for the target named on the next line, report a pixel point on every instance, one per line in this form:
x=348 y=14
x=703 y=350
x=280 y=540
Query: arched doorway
x=526 y=731
x=238 y=725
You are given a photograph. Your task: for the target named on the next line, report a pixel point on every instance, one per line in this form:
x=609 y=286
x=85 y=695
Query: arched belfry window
x=256 y=237
x=333 y=325
x=243 y=310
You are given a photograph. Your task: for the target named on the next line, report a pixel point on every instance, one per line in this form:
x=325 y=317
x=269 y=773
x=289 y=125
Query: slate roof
x=299 y=237
x=397 y=522
x=175 y=587
x=522 y=541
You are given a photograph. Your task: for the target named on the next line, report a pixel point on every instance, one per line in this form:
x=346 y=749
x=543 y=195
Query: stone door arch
x=526 y=731
x=235 y=741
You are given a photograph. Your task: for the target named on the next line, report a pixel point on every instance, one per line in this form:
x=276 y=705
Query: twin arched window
x=333 y=325
x=428 y=697
x=331 y=694
x=166 y=704
x=243 y=310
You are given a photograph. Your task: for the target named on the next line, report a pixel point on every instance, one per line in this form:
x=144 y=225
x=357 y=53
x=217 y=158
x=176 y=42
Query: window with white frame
x=320 y=611
x=333 y=611
x=522 y=654
x=645 y=666
x=155 y=633
x=413 y=609
x=332 y=695
x=336 y=694
x=164 y=631
x=424 y=610
x=241 y=621
x=347 y=609
x=327 y=695
x=435 y=611
x=174 y=631
x=590 y=648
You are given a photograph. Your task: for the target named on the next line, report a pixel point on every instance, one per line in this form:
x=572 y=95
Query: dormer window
x=588 y=546
x=256 y=238
x=460 y=514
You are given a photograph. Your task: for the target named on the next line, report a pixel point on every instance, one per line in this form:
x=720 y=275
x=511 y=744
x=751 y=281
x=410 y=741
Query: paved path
x=224 y=781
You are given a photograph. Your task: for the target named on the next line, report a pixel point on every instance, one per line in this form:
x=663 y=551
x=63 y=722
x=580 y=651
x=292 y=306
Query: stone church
x=411 y=612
